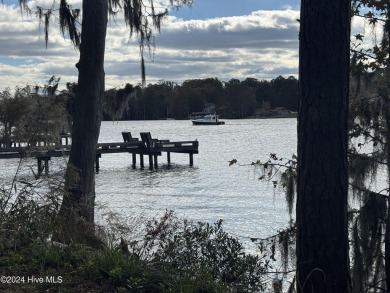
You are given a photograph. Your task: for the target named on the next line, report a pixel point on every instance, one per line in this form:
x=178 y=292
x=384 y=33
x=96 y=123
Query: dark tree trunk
x=387 y=118
x=387 y=247
x=322 y=239
x=387 y=231
x=77 y=210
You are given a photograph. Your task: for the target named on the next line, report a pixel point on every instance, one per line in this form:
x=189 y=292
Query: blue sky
x=215 y=38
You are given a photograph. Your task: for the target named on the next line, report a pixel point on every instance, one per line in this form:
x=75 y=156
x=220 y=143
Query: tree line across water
x=233 y=99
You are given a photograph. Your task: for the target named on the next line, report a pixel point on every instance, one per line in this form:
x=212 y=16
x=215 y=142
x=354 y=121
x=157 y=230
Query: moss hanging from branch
x=68 y=22
x=116 y=102
x=367 y=240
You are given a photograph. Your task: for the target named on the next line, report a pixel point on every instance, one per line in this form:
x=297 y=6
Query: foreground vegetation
x=171 y=256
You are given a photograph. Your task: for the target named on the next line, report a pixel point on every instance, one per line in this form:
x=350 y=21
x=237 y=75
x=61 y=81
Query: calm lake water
x=208 y=191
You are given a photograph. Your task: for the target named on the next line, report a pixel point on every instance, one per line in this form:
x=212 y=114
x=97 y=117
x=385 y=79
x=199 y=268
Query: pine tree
x=322 y=186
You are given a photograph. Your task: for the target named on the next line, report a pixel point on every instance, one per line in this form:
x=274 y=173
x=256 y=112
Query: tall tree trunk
x=387 y=118
x=387 y=231
x=322 y=239
x=77 y=210
x=387 y=245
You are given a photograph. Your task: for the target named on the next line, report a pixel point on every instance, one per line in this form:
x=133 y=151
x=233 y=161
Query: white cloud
x=262 y=45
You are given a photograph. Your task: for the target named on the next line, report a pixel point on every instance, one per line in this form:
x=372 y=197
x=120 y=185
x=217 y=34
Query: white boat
x=210 y=119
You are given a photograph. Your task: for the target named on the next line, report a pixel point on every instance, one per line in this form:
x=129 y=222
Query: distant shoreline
x=290 y=115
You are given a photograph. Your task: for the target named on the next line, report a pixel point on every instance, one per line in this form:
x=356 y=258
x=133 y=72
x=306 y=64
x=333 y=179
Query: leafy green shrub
x=203 y=252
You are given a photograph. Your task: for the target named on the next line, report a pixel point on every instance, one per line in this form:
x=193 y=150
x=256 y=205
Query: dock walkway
x=153 y=148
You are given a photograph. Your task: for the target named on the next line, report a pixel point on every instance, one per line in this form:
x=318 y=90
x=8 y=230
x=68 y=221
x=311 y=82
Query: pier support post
x=169 y=158
x=134 y=160
x=141 y=161
x=191 y=159
x=40 y=168
x=45 y=167
x=97 y=165
x=150 y=162
x=155 y=162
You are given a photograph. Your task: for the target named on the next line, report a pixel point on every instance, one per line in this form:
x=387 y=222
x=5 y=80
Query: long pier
x=153 y=148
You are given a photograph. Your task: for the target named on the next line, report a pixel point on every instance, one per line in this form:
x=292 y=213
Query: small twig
x=14 y=180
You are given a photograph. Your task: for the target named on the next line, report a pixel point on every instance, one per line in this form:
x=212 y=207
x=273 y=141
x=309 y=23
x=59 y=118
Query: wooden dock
x=153 y=148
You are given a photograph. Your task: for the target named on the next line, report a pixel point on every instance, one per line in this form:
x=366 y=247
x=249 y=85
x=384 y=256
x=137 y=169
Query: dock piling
x=134 y=155
x=45 y=167
x=97 y=165
x=155 y=162
x=40 y=168
x=169 y=158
